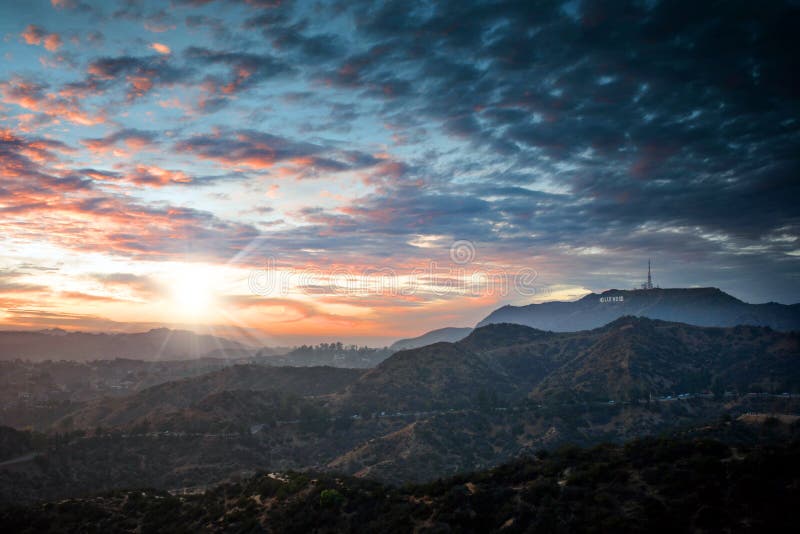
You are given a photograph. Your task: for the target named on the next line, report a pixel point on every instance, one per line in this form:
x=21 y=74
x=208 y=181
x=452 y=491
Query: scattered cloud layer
x=576 y=138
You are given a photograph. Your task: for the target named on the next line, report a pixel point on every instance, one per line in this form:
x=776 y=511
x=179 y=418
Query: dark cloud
x=131 y=136
x=140 y=73
x=259 y=150
x=217 y=26
x=664 y=112
x=245 y=69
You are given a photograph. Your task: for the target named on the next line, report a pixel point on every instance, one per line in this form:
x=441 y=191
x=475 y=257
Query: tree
x=330 y=498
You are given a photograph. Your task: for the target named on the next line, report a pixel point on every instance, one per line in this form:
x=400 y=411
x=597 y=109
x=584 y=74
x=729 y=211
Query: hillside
x=156 y=403
x=450 y=334
x=637 y=358
x=696 y=306
x=630 y=358
x=648 y=485
x=154 y=345
x=502 y=391
x=441 y=375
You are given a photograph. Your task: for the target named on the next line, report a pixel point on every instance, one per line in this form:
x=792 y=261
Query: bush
x=330 y=498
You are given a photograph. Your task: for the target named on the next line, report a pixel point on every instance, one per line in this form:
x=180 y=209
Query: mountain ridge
x=155 y=344
x=624 y=360
x=448 y=333
x=707 y=306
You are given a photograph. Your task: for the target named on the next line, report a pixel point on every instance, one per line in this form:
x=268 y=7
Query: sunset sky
x=364 y=171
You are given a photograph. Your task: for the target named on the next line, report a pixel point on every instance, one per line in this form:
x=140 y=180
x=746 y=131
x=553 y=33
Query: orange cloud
x=52 y=42
x=36 y=35
x=44 y=202
x=139 y=85
x=32 y=96
x=156 y=177
x=161 y=48
x=79 y=296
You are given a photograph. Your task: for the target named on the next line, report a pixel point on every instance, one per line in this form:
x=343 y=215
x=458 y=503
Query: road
x=20 y=459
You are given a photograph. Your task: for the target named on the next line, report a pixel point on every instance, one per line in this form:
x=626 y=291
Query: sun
x=192 y=293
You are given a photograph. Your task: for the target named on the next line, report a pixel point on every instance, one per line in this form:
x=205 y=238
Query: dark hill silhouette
x=156 y=344
x=450 y=334
x=706 y=306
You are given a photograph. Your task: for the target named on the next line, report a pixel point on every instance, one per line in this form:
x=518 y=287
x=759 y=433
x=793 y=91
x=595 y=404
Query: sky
x=303 y=171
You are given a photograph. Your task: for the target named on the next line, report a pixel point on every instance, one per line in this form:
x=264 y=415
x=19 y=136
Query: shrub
x=330 y=498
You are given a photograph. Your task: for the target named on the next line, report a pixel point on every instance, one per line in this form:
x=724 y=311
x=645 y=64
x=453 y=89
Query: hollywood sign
x=619 y=298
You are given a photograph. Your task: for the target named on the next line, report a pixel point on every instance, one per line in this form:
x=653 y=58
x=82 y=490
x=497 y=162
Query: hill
x=628 y=359
x=696 y=306
x=450 y=334
x=442 y=375
x=635 y=358
x=154 y=345
x=159 y=403
x=648 y=485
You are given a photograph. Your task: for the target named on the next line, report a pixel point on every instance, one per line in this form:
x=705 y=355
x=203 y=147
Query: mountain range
x=627 y=360
x=624 y=360
x=155 y=344
x=451 y=334
x=448 y=407
x=706 y=306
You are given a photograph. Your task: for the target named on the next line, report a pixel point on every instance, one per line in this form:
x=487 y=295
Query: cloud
x=577 y=137
x=140 y=74
x=246 y=70
x=36 y=35
x=150 y=175
x=131 y=138
x=34 y=96
x=23 y=160
x=160 y=48
x=140 y=175
x=51 y=204
x=624 y=117
x=260 y=151
x=139 y=286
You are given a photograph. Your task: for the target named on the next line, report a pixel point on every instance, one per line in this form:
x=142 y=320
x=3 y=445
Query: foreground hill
x=649 y=485
x=154 y=345
x=450 y=334
x=701 y=306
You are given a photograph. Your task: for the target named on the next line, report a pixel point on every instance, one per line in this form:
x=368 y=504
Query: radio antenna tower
x=649 y=283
